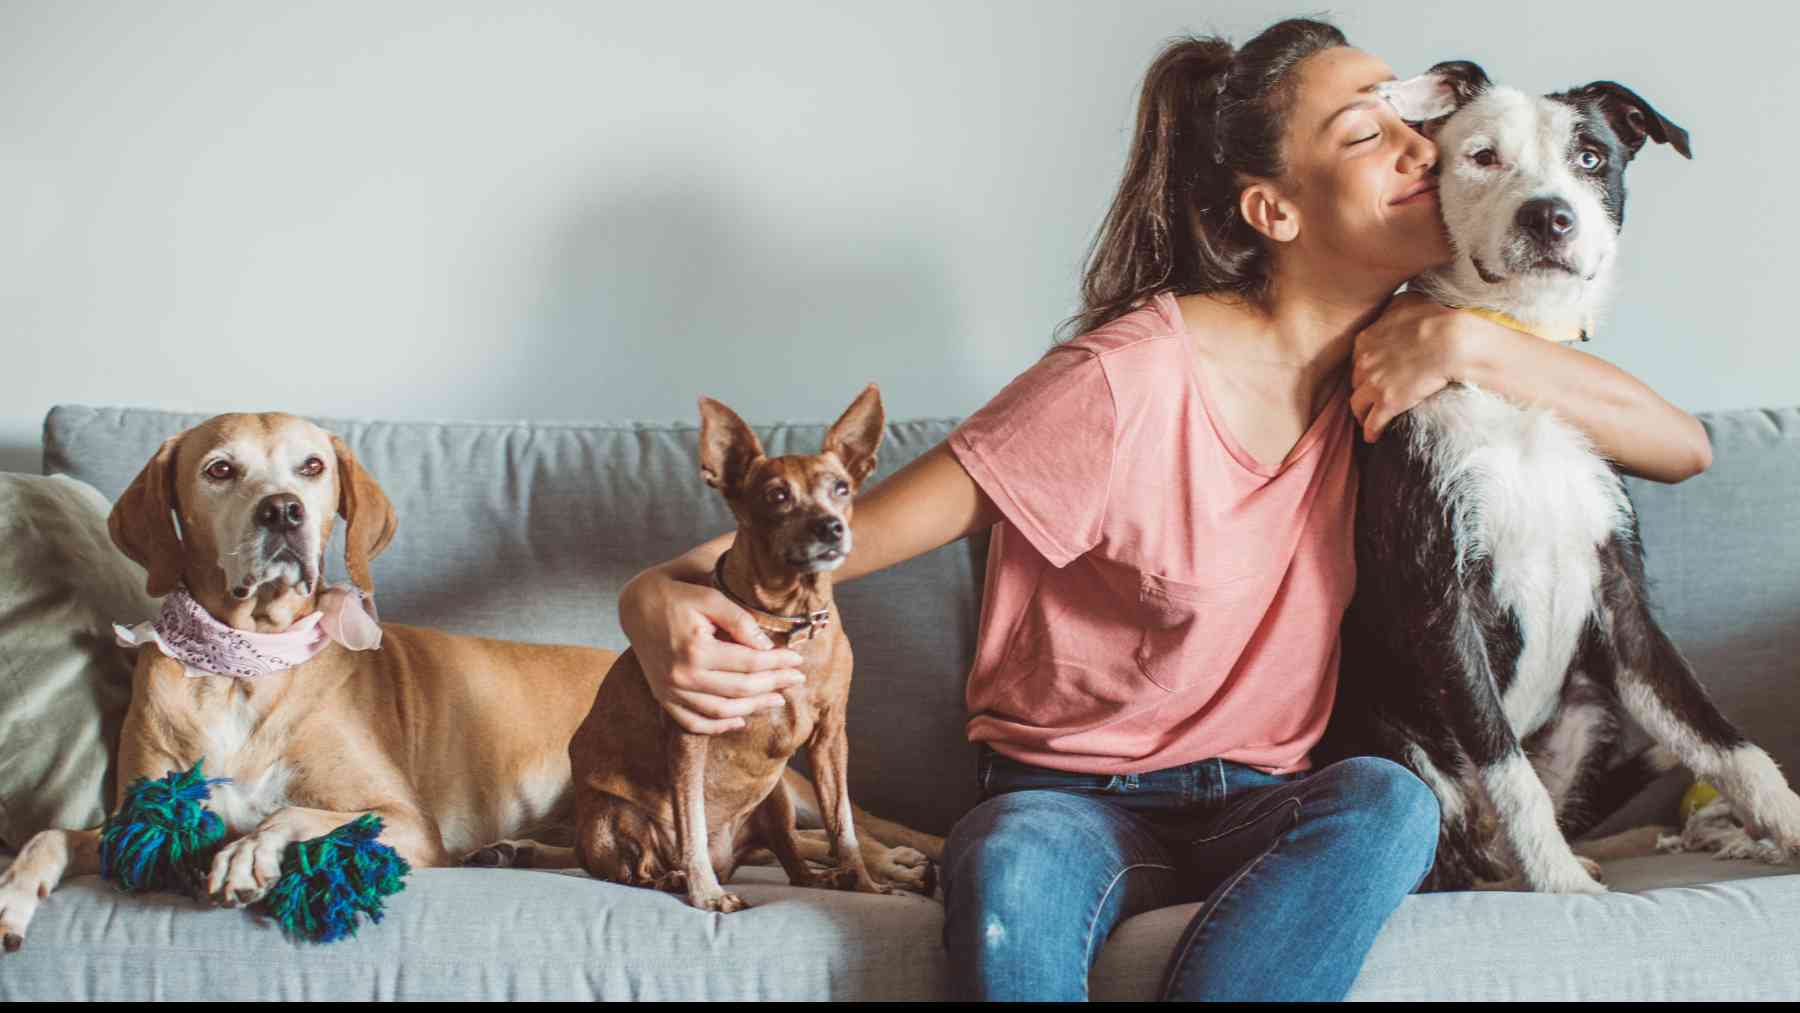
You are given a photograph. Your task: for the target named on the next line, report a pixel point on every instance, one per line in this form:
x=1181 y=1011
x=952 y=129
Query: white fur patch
x=1525 y=490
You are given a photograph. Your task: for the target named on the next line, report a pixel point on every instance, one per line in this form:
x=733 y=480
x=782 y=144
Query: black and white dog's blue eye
x=1485 y=158
x=1589 y=160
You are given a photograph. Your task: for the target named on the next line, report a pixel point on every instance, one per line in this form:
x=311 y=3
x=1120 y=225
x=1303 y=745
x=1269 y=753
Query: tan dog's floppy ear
x=369 y=519
x=857 y=433
x=141 y=523
x=728 y=449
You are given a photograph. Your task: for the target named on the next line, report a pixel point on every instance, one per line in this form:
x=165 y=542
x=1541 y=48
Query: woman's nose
x=1421 y=152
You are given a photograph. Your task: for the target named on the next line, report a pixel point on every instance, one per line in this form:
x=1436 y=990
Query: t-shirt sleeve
x=1043 y=451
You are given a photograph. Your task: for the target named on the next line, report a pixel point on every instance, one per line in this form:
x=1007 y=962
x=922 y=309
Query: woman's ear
x=1268 y=212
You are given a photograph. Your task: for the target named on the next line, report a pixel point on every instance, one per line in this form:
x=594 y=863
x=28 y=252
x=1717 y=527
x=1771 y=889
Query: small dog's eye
x=1590 y=160
x=777 y=495
x=1485 y=158
x=313 y=468
x=220 y=471
x=842 y=488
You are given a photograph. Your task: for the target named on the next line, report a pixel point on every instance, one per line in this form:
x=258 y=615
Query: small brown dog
x=657 y=806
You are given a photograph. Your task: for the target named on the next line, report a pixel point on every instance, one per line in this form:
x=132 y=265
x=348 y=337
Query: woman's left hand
x=1412 y=351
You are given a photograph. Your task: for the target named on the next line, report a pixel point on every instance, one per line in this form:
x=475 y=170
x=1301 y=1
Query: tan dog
x=454 y=741
x=660 y=807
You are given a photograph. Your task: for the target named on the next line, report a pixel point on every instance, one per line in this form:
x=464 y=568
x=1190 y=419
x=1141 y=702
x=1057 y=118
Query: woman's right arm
x=670 y=611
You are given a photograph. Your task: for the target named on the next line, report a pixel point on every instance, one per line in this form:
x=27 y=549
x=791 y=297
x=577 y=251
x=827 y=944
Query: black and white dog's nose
x=1550 y=219
x=280 y=513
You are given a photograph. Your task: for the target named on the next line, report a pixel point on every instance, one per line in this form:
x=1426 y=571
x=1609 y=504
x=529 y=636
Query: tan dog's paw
x=909 y=869
x=245 y=870
x=19 y=898
x=500 y=855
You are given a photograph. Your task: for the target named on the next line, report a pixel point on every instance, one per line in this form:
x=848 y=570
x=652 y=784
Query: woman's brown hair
x=1208 y=117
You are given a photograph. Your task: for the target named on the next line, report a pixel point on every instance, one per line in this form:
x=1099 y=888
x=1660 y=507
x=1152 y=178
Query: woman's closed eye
x=1360 y=140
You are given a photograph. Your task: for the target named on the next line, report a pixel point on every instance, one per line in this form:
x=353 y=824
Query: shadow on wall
x=664 y=291
x=29 y=460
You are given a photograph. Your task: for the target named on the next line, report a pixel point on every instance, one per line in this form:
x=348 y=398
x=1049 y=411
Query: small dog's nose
x=1551 y=219
x=280 y=513
x=828 y=529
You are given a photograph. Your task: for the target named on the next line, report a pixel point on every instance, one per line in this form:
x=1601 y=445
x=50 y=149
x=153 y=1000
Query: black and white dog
x=1500 y=625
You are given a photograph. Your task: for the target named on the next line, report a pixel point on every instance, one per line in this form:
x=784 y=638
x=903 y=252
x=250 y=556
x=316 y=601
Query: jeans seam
x=1259 y=817
x=1094 y=918
x=1249 y=867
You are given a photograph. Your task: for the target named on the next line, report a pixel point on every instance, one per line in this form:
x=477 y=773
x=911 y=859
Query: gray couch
x=526 y=531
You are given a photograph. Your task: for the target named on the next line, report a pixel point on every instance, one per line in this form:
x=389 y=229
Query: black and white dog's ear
x=1633 y=118
x=1435 y=94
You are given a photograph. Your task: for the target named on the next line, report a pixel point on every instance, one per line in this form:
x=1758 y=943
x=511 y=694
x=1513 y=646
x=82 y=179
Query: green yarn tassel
x=328 y=881
x=162 y=836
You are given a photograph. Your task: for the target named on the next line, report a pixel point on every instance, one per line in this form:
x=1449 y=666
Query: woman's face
x=1360 y=178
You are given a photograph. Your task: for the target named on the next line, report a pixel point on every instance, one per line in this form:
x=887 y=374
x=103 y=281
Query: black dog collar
x=797 y=629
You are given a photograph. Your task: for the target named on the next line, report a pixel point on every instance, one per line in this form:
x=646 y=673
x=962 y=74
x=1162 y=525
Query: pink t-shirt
x=1155 y=595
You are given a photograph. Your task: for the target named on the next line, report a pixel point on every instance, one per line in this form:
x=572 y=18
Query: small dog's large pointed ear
x=856 y=435
x=1432 y=96
x=142 y=522
x=728 y=449
x=369 y=518
x=1633 y=118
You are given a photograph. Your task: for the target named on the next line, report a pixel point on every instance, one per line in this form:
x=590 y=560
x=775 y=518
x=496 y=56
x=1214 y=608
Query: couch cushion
x=1721 y=940
x=527 y=532
x=470 y=934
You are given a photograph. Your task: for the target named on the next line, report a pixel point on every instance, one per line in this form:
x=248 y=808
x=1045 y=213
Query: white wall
x=414 y=208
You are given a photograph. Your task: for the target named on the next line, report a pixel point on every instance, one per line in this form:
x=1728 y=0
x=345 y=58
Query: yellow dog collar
x=1562 y=336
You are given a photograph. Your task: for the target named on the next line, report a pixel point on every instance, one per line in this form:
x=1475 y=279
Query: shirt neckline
x=1308 y=440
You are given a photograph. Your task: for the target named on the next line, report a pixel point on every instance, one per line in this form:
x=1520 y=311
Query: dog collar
x=186 y=632
x=1563 y=336
x=797 y=629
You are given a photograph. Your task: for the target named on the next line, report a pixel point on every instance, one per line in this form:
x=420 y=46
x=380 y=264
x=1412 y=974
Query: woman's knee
x=1387 y=801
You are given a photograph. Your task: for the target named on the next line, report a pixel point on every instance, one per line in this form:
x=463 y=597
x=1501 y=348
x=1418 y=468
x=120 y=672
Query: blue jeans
x=1296 y=874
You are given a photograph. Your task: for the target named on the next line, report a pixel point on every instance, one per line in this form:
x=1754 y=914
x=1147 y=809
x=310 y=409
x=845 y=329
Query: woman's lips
x=1418 y=196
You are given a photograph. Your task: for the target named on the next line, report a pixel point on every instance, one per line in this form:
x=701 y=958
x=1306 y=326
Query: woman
x=1173 y=492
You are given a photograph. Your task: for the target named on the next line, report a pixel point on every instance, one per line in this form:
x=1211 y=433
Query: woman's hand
x=1416 y=348
x=707 y=685
x=1408 y=354
x=671 y=613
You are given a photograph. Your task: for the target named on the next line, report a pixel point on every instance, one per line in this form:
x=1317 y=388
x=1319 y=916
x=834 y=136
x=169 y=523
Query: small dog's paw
x=722 y=902
x=244 y=871
x=19 y=900
x=920 y=879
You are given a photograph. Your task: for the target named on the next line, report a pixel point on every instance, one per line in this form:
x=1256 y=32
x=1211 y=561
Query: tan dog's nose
x=828 y=529
x=280 y=513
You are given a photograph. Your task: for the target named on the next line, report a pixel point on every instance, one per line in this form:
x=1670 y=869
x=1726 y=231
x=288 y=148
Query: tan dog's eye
x=221 y=471
x=313 y=468
x=842 y=488
x=777 y=495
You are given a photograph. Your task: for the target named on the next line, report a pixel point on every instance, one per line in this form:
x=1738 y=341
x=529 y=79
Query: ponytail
x=1208 y=117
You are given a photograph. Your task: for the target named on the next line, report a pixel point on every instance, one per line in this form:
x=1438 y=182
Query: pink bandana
x=205 y=646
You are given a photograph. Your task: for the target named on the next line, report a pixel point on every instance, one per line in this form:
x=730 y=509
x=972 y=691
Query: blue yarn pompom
x=162 y=836
x=328 y=881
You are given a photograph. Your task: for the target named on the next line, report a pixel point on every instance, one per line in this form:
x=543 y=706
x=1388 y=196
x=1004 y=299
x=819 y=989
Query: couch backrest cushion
x=527 y=531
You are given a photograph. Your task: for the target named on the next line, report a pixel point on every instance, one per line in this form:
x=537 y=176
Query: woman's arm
x=1416 y=347
x=670 y=611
